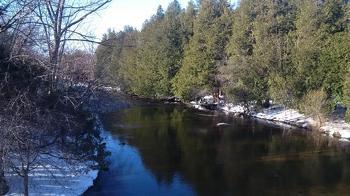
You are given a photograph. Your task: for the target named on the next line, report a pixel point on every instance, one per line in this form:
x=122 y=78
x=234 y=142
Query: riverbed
x=173 y=150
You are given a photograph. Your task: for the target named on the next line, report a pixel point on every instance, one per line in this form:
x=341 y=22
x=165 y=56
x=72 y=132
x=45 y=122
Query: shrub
x=315 y=104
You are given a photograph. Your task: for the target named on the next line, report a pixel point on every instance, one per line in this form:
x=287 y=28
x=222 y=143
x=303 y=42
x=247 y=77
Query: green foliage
x=104 y=55
x=206 y=50
x=281 y=90
x=346 y=99
x=335 y=61
x=259 y=45
x=281 y=50
x=149 y=68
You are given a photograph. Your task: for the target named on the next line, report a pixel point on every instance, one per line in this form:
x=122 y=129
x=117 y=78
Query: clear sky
x=120 y=13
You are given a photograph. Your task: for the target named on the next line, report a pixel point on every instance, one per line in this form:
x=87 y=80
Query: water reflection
x=166 y=150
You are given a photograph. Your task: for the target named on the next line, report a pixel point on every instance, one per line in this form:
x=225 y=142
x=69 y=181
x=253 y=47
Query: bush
x=315 y=104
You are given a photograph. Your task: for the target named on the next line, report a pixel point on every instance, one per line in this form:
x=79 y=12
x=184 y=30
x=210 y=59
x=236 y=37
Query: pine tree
x=334 y=55
x=206 y=50
x=159 y=53
x=187 y=23
x=173 y=38
x=307 y=47
x=259 y=49
x=126 y=59
x=104 y=55
x=263 y=49
x=240 y=51
x=335 y=62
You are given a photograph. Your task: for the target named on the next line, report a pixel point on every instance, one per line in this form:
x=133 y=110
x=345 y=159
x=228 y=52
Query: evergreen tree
x=159 y=53
x=173 y=38
x=151 y=73
x=125 y=60
x=280 y=50
x=259 y=49
x=307 y=47
x=335 y=62
x=238 y=85
x=334 y=55
x=104 y=55
x=187 y=22
x=206 y=50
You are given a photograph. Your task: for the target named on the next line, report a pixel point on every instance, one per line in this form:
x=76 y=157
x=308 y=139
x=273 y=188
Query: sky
x=120 y=13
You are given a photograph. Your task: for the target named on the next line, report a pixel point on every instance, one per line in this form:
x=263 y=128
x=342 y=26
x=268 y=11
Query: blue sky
x=127 y=12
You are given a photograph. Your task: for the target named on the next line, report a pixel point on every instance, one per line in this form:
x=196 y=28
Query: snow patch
x=285 y=116
x=230 y=108
x=58 y=178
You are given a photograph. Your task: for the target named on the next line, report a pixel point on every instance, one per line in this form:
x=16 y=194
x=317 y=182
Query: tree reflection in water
x=245 y=158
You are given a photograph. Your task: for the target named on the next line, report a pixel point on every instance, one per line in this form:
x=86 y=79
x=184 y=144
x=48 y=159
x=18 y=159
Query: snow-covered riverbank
x=51 y=175
x=56 y=177
x=282 y=115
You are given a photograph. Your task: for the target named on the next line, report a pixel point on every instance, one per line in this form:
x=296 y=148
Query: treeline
x=289 y=51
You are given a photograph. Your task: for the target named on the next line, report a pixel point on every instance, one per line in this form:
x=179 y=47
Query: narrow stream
x=172 y=150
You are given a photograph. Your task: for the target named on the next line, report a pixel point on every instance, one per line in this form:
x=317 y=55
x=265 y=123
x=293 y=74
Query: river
x=173 y=150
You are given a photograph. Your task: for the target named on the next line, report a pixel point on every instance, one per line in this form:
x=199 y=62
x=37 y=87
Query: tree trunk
x=3 y=184
x=26 y=182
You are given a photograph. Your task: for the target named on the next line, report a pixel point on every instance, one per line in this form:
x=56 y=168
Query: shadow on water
x=172 y=150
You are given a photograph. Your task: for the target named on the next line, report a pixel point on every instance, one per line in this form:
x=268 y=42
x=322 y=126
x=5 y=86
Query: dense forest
x=294 y=52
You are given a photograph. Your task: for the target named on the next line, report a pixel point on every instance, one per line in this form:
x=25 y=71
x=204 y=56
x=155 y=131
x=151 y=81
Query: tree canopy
x=256 y=51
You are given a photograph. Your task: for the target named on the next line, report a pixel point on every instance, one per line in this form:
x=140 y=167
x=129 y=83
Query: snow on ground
x=285 y=115
x=230 y=108
x=282 y=115
x=58 y=178
x=337 y=129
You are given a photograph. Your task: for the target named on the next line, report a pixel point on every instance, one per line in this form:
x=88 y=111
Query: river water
x=173 y=150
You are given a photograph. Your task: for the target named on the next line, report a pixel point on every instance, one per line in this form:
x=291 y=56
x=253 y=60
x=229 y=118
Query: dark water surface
x=172 y=150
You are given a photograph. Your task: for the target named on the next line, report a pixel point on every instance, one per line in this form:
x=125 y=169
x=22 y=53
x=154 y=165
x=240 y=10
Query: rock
x=336 y=135
x=172 y=100
x=222 y=124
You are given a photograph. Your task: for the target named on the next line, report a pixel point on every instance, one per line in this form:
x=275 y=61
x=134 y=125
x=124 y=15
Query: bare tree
x=13 y=13
x=4 y=188
x=31 y=120
x=60 y=20
x=78 y=66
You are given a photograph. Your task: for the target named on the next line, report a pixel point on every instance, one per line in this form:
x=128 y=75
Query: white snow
x=230 y=108
x=109 y=88
x=58 y=178
x=198 y=107
x=282 y=115
x=337 y=127
x=285 y=115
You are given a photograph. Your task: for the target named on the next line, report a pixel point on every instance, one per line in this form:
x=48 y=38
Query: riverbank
x=278 y=114
x=56 y=177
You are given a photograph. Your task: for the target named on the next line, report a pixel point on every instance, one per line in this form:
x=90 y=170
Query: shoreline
x=58 y=176
x=283 y=116
x=277 y=114
x=51 y=180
